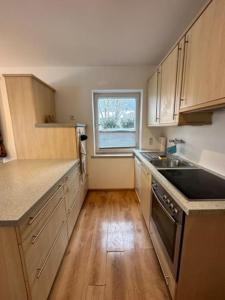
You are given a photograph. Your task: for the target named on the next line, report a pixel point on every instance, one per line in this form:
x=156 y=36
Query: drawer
x=71 y=187
x=83 y=189
x=36 y=248
x=36 y=219
x=73 y=215
x=46 y=272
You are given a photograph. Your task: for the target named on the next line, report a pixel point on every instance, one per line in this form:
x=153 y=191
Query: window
x=116 y=121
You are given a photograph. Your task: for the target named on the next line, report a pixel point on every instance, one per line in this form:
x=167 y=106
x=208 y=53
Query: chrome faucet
x=177 y=141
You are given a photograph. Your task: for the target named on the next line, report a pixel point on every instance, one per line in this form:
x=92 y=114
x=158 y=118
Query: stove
x=196 y=184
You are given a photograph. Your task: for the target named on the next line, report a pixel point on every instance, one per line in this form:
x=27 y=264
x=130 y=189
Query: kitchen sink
x=167 y=162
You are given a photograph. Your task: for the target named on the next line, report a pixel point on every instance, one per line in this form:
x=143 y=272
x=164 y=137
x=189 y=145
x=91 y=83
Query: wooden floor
x=110 y=255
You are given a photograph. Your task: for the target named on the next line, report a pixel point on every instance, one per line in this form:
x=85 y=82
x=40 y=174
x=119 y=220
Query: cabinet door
x=137 y=170
x=145 y=200
x=204 y=70
x=153 y=99
x=168 y=88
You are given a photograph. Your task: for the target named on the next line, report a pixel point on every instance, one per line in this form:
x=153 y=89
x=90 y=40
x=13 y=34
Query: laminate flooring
x=110 y=255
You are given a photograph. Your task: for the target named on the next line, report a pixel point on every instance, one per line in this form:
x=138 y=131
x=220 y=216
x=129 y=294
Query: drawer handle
x=40 y=270
x=36 y=236
x=32 y=219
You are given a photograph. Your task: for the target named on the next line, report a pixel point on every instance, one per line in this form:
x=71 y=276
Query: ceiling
x=91 y=32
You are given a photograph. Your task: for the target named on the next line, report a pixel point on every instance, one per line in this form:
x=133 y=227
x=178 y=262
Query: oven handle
x=163 y=208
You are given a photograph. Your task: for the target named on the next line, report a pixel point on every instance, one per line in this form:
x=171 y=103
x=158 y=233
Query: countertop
x=189 y=207
x=24 y=182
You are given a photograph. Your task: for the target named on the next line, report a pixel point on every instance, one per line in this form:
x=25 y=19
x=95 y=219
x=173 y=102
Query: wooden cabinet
x=168 y=88
x=137 y=171
x=29 y=101
x=153 y=99
x=31 y=251
x=145 y=199
x=76 y=190
x=204 y=72
x=143 y=189
x=191 y=84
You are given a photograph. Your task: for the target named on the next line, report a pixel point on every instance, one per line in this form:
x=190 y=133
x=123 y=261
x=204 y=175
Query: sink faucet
x=177 y=141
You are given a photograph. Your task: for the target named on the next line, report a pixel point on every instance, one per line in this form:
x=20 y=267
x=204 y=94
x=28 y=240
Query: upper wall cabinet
x=168 y=115
x=153 y=99
x=204 y=64
x=164 y=91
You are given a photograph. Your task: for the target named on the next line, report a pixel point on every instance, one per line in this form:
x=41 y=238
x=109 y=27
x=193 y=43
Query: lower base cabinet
x=143 y=189
x=31 y=252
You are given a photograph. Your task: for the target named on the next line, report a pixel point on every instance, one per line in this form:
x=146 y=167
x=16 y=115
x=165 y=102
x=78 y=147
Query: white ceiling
x=90 y=32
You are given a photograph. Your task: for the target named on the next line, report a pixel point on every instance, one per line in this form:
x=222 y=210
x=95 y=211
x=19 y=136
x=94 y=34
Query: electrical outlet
x=150 y=141
x=72 y=118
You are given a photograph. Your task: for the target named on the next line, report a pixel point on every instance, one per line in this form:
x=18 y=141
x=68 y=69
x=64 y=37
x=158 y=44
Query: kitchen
x=112 y=184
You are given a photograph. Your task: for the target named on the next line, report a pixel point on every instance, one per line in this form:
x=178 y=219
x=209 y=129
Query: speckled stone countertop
x=24 y=182
x=189 y=207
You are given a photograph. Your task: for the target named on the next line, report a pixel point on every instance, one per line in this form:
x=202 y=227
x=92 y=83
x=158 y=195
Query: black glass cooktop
x=196 y=184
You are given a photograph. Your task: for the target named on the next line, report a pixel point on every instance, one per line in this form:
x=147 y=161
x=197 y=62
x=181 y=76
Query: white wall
x=203 y=144
x=74 y=97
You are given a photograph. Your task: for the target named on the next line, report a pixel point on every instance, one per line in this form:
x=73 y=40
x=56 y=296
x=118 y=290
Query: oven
x=168 y=221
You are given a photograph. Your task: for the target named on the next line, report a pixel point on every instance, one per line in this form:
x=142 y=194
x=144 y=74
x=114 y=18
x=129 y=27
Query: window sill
x=125 y=155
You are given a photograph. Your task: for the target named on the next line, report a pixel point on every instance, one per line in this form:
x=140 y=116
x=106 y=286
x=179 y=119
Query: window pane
x=116 y=122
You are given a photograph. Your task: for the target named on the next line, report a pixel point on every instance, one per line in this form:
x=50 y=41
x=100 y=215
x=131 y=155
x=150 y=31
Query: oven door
x=169 y=231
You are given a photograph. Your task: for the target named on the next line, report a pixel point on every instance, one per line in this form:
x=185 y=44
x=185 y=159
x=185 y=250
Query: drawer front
x=37 y=247
x=36 y=219
x=46 y=273
x=73 y=215
x=71 y=187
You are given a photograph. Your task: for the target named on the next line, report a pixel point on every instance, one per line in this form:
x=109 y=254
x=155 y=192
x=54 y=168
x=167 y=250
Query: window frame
x=138 y=95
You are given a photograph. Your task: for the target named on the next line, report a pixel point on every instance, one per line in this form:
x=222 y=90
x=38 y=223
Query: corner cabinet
x=204 y=70
x=143 y=189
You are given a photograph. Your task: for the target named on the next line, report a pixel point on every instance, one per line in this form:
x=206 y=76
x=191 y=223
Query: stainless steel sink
x=167 y=162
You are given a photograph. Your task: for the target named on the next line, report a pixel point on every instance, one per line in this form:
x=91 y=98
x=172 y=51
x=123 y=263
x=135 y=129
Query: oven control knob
x=175 y=210
x=155 y=186
x=164 y=197
x=171 y=205
x=168 y=201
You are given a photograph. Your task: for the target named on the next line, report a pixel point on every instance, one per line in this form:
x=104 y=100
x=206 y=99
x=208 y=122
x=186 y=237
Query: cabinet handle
x=41 y=269
x=183 y=81
x=175 y=106
x=167 y=278
x=32 y=219
x=36 y=236
x=158 y=102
